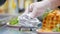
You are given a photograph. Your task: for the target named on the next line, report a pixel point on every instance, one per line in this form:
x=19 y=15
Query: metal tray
x=23 y=27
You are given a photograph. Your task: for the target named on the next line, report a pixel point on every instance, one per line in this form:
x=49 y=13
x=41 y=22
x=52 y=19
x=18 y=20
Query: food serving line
x=9 y=29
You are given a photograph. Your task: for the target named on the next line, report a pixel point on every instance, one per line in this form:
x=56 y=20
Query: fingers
x=39 y=9
x=29 y=8
x=37 y=12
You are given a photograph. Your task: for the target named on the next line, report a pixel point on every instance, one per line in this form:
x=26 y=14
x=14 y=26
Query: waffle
x=51 y=20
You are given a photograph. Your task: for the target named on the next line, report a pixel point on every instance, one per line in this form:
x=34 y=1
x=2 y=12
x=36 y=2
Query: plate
x=47 y=32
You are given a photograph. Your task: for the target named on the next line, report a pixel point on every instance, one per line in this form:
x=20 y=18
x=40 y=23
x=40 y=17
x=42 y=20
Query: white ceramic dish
x=48 y=32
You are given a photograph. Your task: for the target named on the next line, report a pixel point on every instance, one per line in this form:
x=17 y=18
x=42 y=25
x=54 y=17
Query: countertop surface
x=5 y=30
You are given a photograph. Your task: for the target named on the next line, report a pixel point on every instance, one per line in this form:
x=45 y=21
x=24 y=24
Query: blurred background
x=14 y=6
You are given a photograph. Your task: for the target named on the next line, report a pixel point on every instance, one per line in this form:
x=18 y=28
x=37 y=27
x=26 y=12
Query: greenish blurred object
x=14 y=21
x=57 y=28
x=46 y=13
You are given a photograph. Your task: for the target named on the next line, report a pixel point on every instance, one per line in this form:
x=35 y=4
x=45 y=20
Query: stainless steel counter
x=6 y=30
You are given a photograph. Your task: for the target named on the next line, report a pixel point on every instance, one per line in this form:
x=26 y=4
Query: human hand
x=38 y=8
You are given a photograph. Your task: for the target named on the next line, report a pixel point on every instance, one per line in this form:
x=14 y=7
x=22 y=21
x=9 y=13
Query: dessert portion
x=51 y=23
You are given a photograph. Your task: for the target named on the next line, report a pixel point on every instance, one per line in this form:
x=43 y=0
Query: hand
x=38 y=8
